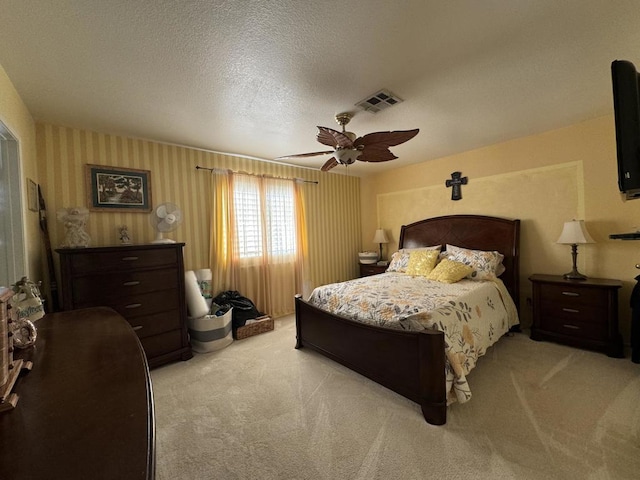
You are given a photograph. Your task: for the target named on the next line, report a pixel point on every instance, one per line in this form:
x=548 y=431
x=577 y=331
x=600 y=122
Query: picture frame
x=32 y=195
x=118 y=189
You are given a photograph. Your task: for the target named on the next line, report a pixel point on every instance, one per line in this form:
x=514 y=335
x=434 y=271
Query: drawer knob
x=131 y=284
x=571 y=294
x=129 y=259
x=137 y=327
x=133 y=305
x=574 y=327
x=570 y=310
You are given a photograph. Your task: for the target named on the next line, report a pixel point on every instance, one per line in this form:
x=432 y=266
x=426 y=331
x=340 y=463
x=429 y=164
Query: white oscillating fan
x=166 y=217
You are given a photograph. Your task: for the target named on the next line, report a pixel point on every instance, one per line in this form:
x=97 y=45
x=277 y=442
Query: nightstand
x=372 y=269
x=577 y=313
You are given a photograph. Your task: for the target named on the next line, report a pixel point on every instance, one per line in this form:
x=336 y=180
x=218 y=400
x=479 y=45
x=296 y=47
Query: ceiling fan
x=373 y=147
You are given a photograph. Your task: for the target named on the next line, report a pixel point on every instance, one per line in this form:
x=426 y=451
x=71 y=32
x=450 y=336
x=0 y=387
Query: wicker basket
x=261 y=325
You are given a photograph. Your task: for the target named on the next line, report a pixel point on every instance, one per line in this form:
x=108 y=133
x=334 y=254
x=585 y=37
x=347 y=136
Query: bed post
x=298 y=297
x=433 y=395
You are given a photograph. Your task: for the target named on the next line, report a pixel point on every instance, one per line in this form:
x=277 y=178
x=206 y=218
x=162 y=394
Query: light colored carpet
x=259 y=409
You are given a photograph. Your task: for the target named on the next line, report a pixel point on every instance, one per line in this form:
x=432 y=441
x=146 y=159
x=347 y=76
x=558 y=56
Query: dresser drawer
x=131 y=306
x=156 y=323
x=160 y=344
x=128 y=259
x=100 y=288
x=573 y=312
x=575 y=328
x=574 y=295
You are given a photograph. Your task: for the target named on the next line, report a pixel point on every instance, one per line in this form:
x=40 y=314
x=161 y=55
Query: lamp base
x=574 y=275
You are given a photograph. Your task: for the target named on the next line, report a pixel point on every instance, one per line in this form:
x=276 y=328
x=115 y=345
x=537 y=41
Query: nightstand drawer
x=372 y=269
x=571 y=295
x=573 y=312
x=576 y=329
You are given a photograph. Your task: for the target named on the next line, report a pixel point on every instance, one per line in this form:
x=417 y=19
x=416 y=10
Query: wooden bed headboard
x=477 y=232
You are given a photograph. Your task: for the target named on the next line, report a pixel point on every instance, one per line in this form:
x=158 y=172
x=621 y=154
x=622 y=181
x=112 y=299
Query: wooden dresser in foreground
x=143 y=283
x=86 y=408
x=579 y=313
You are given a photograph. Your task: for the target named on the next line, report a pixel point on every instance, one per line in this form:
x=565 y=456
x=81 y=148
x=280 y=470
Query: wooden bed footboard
x=409 y=363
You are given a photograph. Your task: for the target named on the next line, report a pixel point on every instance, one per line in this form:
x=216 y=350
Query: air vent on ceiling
x=379 y=101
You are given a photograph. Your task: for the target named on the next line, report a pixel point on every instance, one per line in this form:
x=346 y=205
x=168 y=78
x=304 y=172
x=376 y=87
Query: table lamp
x=380 y=237
x=574 y=233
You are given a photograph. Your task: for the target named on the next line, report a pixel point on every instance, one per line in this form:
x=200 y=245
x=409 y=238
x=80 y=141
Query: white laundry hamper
x=210 y=332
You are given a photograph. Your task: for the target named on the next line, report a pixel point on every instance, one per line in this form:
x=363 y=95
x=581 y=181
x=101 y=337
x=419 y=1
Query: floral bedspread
x=472 y=314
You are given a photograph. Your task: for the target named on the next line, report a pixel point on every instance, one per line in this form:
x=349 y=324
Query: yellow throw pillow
x=449 y=271
x=421 y=262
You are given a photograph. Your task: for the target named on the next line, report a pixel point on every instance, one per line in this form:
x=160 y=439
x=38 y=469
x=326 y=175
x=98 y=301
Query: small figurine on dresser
x=74 y=220
x=124 y=235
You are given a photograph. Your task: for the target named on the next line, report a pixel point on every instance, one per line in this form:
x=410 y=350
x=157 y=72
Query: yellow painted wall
x=332 y=206
x=544 y=180
x=16 y=117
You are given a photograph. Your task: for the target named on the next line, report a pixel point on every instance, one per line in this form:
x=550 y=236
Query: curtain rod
x=198 y=167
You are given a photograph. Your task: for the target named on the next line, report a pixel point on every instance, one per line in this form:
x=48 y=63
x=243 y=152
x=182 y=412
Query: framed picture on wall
x=32 y=195
x=118 y=189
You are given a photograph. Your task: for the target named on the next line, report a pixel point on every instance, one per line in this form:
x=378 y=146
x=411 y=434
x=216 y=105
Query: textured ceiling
x=256 y=77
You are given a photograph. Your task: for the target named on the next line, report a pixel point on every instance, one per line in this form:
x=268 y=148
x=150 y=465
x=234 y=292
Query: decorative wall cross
x=457 y=180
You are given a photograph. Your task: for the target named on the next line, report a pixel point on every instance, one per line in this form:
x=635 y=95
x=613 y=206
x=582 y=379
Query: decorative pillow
x=421 y=262
x=400 y=259
x=449 y=271
x=486 y=265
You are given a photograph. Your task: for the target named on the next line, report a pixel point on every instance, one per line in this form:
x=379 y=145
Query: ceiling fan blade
x=302 y=155
x=388 y=139
x=376 y=153
x=333 y=138
x=332 y=162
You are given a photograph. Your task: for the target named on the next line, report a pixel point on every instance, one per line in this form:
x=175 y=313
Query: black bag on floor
x=243 y=308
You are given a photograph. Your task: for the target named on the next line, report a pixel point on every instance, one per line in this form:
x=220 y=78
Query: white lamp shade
x=380 y=237
x=574 y=232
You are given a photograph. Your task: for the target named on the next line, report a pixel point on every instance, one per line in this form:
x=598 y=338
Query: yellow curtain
x=302 y=252
x=221 y=232
x=272 y=278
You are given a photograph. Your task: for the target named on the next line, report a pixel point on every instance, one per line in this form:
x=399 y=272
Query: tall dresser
x=143 y=283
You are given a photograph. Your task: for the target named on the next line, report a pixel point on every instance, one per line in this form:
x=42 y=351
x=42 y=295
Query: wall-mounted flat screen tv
x=626 y=103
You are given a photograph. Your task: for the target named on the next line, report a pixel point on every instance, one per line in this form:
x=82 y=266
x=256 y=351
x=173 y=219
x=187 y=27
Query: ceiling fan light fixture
x=379 y=101
x=346 y=156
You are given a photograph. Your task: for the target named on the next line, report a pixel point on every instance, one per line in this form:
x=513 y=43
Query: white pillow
x=487 y=265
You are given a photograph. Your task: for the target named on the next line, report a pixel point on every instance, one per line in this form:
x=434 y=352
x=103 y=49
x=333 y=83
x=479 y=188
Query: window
x=264 y=216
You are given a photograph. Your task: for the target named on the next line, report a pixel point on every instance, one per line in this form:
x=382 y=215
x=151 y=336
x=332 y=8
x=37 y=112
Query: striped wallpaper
x=332 y=206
